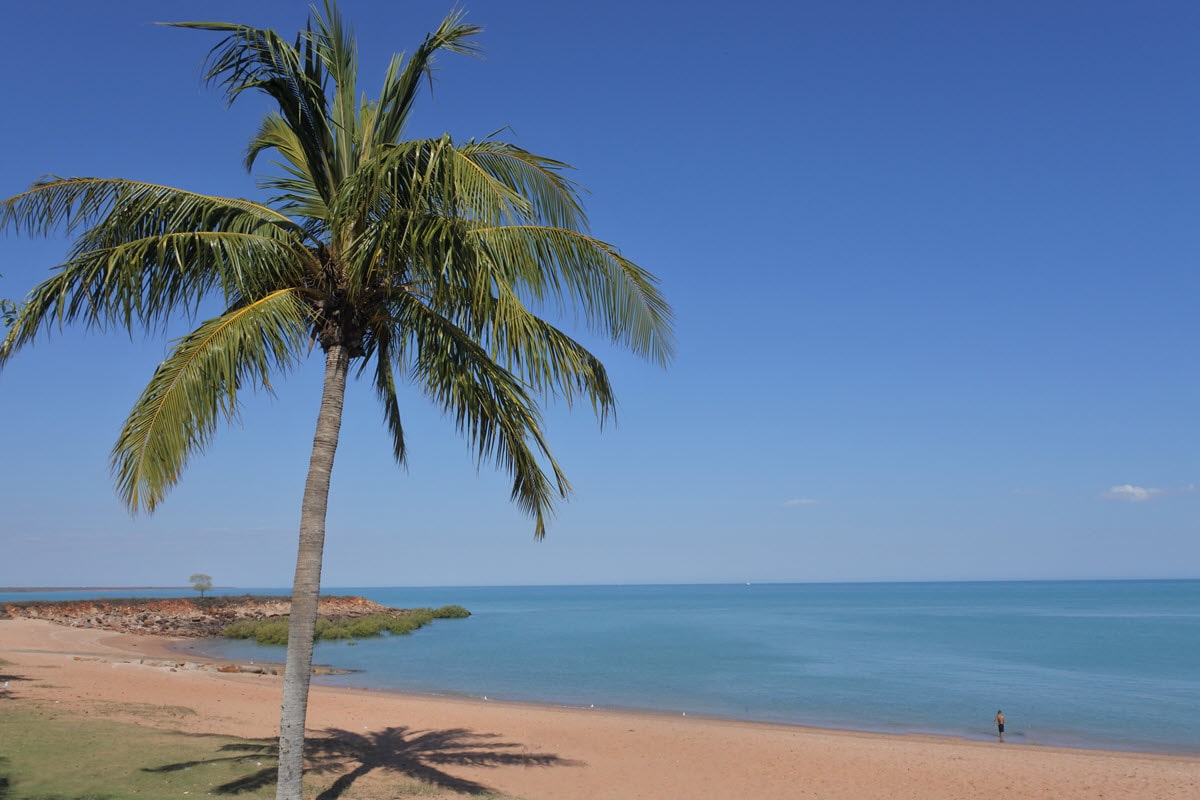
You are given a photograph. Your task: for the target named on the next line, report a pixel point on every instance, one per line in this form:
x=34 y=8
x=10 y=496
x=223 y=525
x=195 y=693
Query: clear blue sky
x=934 y=266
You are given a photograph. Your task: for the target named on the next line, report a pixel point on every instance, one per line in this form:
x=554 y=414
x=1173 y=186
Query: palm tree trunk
x=306 y=587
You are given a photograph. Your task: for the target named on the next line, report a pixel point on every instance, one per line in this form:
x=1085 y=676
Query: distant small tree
x=200 y=582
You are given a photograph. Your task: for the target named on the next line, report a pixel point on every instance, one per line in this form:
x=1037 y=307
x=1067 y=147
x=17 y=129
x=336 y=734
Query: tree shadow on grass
x=421 y=755
x=263 y=753
x=9 y=685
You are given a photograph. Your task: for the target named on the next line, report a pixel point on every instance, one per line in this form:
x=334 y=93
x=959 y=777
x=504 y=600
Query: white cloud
x=801 y=501
x=1131 y=494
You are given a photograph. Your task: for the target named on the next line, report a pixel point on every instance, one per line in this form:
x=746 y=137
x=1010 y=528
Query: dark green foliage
x=264 y=631
x=275 y=631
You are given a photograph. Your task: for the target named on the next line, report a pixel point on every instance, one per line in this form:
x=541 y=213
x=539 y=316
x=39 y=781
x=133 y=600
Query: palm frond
x=618 y=298
x=146 y=261
x=546 y=358
x=68 y=205
x=385 y=390
x=551 y=199
x=489 y=405
x=251 y=58
x=401 y=83
x=296 y=194
x=420 y=196
x=492 y=183
x=334 y=45
x=197 y=385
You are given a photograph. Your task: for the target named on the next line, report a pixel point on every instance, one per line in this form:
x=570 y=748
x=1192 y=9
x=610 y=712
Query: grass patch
x=50 y=755
x=274 y=631
x=53 y=756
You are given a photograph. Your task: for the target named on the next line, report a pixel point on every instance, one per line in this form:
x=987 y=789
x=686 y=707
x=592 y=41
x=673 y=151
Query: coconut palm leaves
x=197 y=386
x=143 y=252
x=428 y=262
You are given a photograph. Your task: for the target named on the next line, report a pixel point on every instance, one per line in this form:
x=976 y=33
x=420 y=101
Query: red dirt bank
x=179 y=616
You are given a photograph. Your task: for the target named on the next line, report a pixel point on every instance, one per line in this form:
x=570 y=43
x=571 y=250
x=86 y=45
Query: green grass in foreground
x=274 y=631
x=47 y=755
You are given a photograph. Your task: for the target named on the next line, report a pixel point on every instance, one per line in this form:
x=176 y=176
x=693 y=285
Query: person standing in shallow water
x=1000 y=724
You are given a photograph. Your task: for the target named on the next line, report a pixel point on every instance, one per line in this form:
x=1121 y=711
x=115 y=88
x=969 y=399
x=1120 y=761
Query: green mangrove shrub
x=275 y=631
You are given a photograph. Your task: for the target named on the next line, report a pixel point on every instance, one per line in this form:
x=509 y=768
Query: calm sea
x=1112 y=664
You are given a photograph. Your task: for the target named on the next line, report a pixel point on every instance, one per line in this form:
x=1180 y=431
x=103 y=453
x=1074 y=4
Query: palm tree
x=429 y=261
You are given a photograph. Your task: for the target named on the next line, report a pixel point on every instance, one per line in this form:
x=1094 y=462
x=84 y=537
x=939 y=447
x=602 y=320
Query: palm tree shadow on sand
x=421 y=755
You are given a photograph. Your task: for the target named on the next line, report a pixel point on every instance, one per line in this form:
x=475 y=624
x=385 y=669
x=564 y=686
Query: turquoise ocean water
x=1112 y=664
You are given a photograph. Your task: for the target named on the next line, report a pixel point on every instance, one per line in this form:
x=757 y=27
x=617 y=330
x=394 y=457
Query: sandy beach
x=547 y=753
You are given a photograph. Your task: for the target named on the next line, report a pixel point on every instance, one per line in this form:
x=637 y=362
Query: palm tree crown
x=427 y=261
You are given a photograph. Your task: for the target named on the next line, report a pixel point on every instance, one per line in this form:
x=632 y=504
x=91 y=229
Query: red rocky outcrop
x=180 y=616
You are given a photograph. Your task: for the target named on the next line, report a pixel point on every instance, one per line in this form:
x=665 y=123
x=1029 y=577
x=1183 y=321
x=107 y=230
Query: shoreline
x=542 y=752
x=1014 y=737
x=783 y=727
x=1011 y=741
